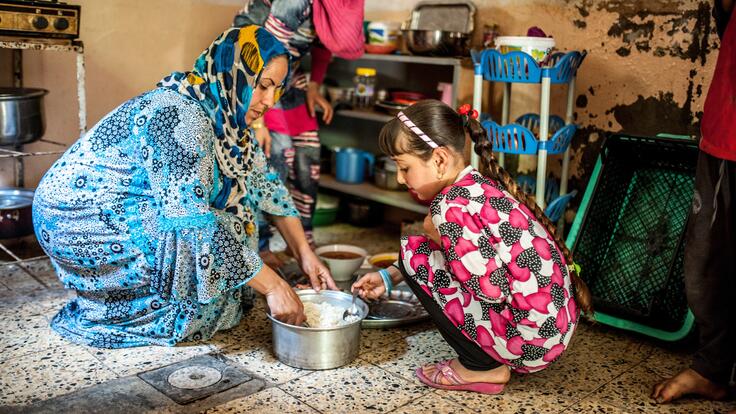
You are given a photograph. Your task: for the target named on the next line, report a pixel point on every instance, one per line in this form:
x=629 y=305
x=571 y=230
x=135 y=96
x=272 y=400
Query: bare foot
x=500 y=375
x=687 y=382
x=270 y=259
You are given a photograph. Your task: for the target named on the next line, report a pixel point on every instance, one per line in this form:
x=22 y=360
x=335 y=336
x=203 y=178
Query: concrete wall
x=647 y=71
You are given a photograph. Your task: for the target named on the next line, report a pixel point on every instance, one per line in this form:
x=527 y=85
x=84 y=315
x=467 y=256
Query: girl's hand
x=319 y=275
x=285 y=305
x=370 y=286
x=430 y=230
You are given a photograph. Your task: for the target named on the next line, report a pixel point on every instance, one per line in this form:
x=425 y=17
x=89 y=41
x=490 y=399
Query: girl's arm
x=371 y=286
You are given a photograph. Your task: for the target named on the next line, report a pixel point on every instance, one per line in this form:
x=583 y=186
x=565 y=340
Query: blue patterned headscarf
x=222 y=81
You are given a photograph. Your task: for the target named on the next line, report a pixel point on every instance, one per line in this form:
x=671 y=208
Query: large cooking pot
x=436 y=42
x=21 y=115
x=319 y=348
x=16 y=218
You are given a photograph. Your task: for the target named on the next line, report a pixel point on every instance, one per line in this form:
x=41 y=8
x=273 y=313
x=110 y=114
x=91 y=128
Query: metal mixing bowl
x=319 y=348
x=436 y=42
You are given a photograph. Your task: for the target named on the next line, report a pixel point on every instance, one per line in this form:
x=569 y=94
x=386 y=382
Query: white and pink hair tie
x=415 y=129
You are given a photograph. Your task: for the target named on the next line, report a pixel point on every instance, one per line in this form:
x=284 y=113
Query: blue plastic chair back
x=556 y=209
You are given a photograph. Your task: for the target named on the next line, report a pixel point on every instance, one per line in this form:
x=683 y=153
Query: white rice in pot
x=326 y=315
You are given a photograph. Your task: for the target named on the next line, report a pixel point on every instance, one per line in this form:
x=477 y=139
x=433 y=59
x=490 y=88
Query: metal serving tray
x=446 y=15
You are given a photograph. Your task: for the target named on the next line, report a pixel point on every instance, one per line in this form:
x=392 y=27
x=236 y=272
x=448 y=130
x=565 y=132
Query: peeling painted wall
x=648 y=67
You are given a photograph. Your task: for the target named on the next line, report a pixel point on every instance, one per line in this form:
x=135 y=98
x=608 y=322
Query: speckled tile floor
x=604 y=370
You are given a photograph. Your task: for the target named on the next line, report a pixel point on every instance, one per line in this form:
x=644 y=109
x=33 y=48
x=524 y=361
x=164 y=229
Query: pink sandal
x=444 y=369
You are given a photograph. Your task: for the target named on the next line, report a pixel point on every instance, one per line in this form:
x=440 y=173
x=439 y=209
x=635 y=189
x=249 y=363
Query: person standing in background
x=710 y=268
x=288 y=132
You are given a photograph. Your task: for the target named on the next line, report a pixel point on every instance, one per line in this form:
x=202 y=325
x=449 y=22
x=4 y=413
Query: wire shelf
x=8 y=153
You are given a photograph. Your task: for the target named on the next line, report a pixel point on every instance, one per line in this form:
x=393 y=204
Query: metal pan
x=401 y=308
x=15 y=212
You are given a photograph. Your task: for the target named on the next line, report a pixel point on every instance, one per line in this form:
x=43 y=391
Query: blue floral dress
x=149 y=216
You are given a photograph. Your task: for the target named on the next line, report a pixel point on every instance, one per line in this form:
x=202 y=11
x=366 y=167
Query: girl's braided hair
x=448 y=128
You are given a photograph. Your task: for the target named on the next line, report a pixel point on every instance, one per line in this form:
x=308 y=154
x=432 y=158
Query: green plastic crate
x=628 y=235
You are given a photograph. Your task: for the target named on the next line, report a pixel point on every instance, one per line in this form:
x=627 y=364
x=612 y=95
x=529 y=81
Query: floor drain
x=195 y=378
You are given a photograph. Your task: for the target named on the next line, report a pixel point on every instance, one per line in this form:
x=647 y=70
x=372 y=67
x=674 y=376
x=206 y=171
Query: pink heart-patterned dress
x=498 y=275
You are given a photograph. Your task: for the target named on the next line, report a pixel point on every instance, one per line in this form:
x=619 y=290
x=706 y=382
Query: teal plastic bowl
x=324 y=217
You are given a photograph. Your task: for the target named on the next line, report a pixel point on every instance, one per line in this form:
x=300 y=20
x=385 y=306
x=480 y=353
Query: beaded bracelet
x=386 y=276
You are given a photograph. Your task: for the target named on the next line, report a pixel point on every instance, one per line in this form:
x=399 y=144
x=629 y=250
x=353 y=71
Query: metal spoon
x=353 y=309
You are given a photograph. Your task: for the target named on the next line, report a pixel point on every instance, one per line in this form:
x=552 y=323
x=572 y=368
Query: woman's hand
x=430 y=230
x=370 y=286
x=314 y=99
x=319 y=275
x=285 y=305
x=264 y=140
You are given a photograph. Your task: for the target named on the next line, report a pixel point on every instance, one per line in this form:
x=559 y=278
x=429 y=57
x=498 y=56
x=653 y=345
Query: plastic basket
x=528 y=184
x=628 y=235
x=514 y=66
x=557 y=207
x=517 y=139
x=531 y=121
x=520 y=67
x=564 y=66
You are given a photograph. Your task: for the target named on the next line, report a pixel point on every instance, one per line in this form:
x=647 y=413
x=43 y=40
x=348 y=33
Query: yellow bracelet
x=257 y=124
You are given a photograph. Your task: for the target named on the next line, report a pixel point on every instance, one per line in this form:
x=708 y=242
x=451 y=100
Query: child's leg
x=710 y=273
x=305 y=179
x=470 y=355
x=282 y=154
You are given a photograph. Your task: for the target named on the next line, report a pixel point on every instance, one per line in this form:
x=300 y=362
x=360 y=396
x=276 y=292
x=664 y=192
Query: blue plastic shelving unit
x=532 y=134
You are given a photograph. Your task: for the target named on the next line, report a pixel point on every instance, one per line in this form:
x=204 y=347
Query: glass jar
x=365 y=83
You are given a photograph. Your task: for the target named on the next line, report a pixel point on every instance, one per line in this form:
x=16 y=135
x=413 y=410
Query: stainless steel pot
x=436 y=42
x=319 y=348
x=16 y=218
x=386 y=180
x=21 y=115
x=363 y=213
x=386 y=175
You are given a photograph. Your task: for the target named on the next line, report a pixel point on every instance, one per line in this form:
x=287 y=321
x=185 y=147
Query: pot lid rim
x=12 y=94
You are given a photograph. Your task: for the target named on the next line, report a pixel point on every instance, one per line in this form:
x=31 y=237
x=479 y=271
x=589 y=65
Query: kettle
x=351 y=164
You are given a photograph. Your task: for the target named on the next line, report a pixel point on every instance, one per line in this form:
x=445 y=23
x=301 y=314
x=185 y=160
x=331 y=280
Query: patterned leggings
x=297 y=159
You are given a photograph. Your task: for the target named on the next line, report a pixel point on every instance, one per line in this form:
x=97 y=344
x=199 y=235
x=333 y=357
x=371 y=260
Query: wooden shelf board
x=400 y=199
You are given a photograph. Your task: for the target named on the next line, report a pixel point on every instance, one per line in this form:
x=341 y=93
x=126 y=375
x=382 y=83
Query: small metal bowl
x=436 y=42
